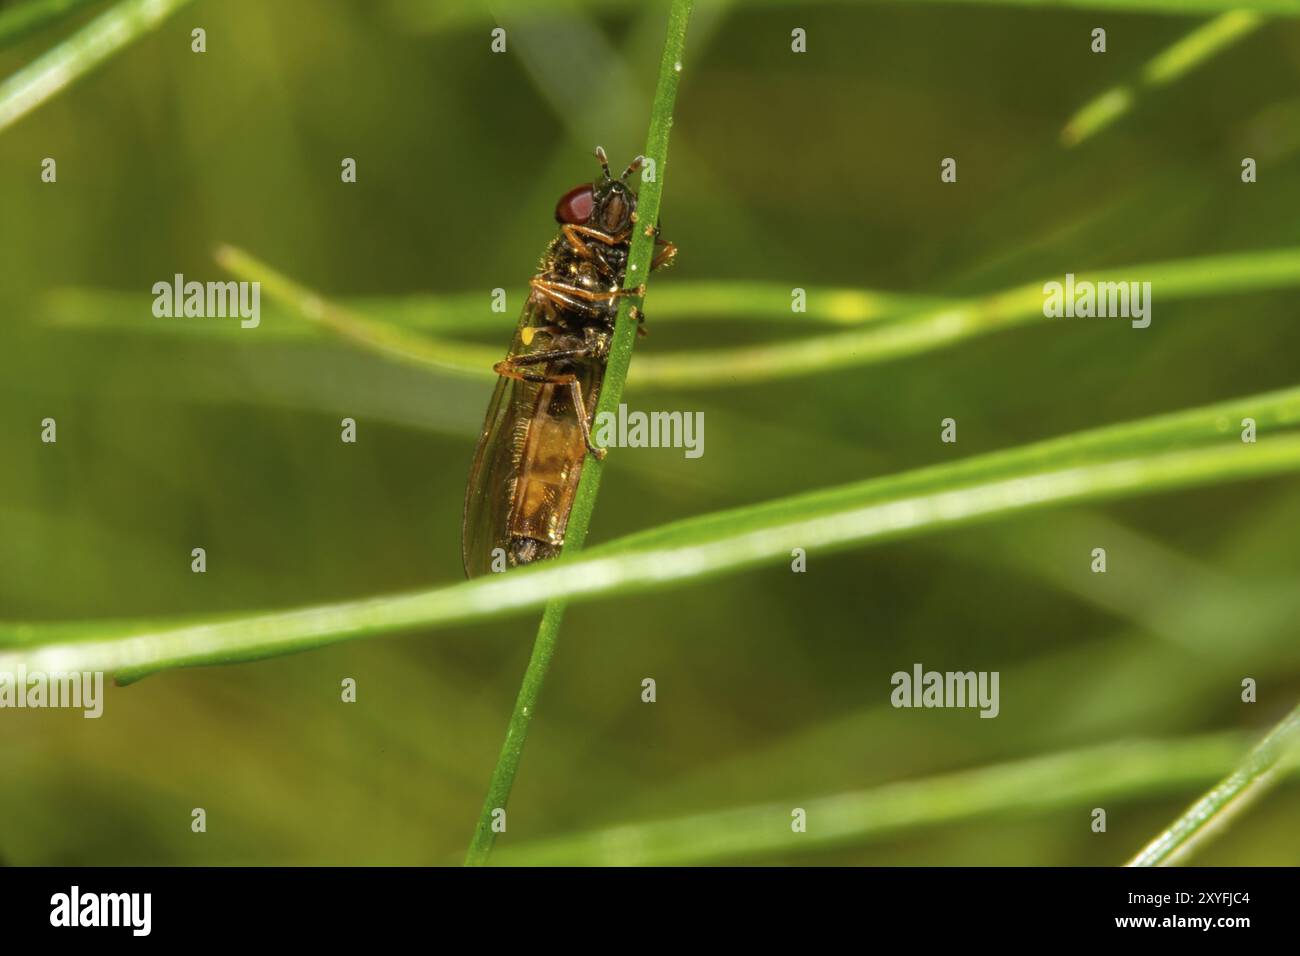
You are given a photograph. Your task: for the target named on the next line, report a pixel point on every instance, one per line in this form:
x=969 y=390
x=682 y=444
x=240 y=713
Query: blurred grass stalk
x=28 y=16
x=1274 y=755
x=1189 y=52
x=68 y=61
x=1184 y=8
x=382 y=338
x=947 y=325
x=896 y=326
x=1072 y=779
x=377 y=317
x=423 y=16
x=1197 y=447
x=639 y=259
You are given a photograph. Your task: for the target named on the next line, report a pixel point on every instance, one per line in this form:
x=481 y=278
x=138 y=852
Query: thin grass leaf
x=457 y=358
x=25 y=18
x=930 y=327
x=743 y=301
x=459 y=312
x=947 y=325
x=116 y=310
x=23 y=633
x=754 y=301
x=1274 y=755
x=616 y=370
x=76 y=56
x=1187 y=429
x=1128 y=770
x=422 y=16
x=1203 y=43
x=1289 y=8
x=874 y=511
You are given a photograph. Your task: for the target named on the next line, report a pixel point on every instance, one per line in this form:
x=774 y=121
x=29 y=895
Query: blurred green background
x=813 y=169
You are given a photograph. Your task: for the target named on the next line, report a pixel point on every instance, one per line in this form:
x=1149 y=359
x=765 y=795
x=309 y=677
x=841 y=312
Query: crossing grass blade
x=1197 y=447
x=68 y=61
x=1273 y=757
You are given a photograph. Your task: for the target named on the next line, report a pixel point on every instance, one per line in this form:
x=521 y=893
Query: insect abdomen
x=549 y=468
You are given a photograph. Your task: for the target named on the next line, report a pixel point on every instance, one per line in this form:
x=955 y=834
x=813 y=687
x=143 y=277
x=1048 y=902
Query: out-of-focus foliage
x=820 y=169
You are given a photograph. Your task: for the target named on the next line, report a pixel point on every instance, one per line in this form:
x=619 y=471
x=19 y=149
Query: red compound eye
x=576 y=205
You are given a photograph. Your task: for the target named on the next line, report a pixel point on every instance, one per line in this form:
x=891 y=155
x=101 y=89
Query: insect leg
x=573 y=235
x=546 y=355
x=555 y=297
x=572 y=232
x=510 y=369
x=641 y=330
x=666 y=255
x=564 y=289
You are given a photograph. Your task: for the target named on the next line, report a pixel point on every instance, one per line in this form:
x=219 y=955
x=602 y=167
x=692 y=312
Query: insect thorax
x=600 y=272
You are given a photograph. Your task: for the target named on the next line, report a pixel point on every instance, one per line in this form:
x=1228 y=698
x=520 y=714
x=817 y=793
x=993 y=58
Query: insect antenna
x=604 y=161
x=632 y=167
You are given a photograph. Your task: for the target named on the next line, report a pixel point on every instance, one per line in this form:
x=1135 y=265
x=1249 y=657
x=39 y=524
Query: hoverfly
x=538 y=428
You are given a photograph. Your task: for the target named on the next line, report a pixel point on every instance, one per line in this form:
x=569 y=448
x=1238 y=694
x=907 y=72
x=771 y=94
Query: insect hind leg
x=511 y=368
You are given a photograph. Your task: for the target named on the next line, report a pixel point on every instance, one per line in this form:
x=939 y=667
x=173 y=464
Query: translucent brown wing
x=490 y=492
x=530 y=456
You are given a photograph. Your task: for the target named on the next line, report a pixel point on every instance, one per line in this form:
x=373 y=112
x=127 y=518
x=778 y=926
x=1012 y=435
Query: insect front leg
x=666 y=255
x=593 y=252
x=573 y=233
x=512 y=368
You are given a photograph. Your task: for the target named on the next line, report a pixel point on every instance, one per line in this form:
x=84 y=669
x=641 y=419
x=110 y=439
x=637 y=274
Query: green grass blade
x=1272 y=411
x=1273 y=755
x=457 y=358
x=76 y=56
x=422 y=16
x=459 y=312
x=25 y=18
x=1190 y=51
x=751 y=301
x=1289 y=8
x=894 y=326
x=873 y=511
x=947 y=325
x=616 y=370
x=1080 y=778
